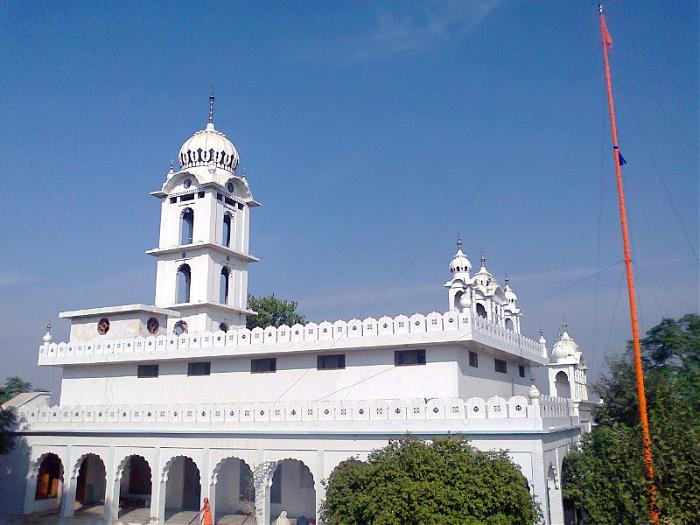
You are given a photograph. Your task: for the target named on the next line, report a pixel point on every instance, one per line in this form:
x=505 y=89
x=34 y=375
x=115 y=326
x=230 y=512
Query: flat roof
x=121 y=309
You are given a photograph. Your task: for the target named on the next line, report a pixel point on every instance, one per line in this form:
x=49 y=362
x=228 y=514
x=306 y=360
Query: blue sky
x=372 y=134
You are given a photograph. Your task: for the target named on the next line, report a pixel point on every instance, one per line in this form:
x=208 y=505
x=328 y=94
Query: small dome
x=509 y=294
x=564 y=348
x=47 y=336
x=533 y=393
x=209 y=146
x=460 y=263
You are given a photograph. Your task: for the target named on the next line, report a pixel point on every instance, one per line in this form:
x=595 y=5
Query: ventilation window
x=263 y=365
x=201 y=368
x=147 y=371
x=330 y=362
x=473 y=359
x=185 y=198
x=521 y=371
x=230 y=202
x=173 y=200
x=240 y=206
x=153 y=325
x=103 y=326
x=409 y=357
x=200 y=195
x=180 y=328
x=500 y=366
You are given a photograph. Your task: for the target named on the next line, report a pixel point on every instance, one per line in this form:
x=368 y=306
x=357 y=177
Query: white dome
x=209 y=146
x=460 y=263
x=534 y=392
x=509 y=294
x=565 y=347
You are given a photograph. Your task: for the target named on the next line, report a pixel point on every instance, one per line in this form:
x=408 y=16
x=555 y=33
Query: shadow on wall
x=14 y=468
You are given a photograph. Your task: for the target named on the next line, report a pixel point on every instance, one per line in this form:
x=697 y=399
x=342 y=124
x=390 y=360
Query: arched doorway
x=481 y=310
x=561 y=381
x=234 y=491
x=182 y=489
x=135 y=488
x=293 y=491
x=90 y=486
x=49 y=483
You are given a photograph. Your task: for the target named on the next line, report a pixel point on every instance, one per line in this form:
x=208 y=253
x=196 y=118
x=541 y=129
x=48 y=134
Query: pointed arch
x=224 y=280
x=183 y=284
x=187 y=226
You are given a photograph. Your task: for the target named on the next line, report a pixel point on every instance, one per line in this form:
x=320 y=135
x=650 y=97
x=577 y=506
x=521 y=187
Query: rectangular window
x=200 y=195
x=473 y=359
x=189 y=197
x=147 y=371
x=330 y=362
x=173 y=200
x=201 y=368
x=240 y=206
x=263 y=365
x=219 y=197
x=409 y=357
x=230 y=202
x=501 y=366
x=521 y=371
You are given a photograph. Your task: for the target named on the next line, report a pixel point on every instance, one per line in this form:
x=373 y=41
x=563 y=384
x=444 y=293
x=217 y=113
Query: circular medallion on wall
x=103 y=326
x=230 y=187
x=153 y=325
x=180 y=328
x=187 y=183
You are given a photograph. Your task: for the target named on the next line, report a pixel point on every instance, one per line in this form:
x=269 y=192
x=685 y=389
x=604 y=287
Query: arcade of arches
x=287 y=485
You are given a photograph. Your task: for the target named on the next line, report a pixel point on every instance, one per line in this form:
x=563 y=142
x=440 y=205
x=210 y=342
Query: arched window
x=480 y=310
x=184 y=280
x=187 y=226
x=561 y=381
x=509 y=324
x=226 y=236
x=223 y=285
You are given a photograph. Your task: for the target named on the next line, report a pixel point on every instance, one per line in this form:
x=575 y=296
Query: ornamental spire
x=211 y=106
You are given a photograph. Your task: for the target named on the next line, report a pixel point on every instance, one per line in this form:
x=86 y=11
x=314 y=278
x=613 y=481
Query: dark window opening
x=240 y=206
x=501 y=366
x=219 y=197
x=147 y=371
x=49 y=477
x=187 y=226
x=201 y=368
x=276 y=488
x=226 y=236
x=263 y=365
x=230 y=202
x=473 y=359
x=409 y=357
x=521 y=371
x=480 y=310
x=173 y=200
x=330 y=362
x=188 y=197
x=184 y=279
x=224 y=285
x=200 y=195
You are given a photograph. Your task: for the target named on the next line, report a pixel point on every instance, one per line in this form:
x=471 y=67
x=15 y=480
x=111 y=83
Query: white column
x=263 y=481
x=112 y=482
x=156 y=513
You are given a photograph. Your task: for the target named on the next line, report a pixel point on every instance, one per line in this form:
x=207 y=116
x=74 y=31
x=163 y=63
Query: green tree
x=272 y=311
x=415 y=482
x=605 y=480
x=12 y=387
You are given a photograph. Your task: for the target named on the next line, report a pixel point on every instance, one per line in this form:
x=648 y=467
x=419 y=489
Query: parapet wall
x=386 y=331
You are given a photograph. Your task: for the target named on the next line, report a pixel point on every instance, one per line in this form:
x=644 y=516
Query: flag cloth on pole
x=607 y=39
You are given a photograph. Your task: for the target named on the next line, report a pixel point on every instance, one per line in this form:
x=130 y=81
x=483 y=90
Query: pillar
x=262 y=478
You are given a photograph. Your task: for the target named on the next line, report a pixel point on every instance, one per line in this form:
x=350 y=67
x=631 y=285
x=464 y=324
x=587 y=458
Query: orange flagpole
x=639 y=372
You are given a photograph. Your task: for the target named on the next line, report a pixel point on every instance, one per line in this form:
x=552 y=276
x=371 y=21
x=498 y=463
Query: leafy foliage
x=444 y=482
x=605 y=479
x=12 y=387
x=273 y=312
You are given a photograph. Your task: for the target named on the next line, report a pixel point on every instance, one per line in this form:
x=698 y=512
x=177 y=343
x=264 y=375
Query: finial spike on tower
x=211 y=105
x=507 y=278
x=482 y=259
x=459 y=241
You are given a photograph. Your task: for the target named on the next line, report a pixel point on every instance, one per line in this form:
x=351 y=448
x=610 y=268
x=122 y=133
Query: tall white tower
x=203 y=249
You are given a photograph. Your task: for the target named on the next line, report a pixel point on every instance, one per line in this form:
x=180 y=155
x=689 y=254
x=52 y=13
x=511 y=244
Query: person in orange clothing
x=206 y=513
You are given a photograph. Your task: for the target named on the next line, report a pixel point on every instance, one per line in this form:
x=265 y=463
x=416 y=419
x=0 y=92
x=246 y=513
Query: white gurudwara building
x=162 y=405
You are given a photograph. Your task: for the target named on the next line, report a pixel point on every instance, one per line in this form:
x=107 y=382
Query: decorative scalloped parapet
x=385 y=331
x=232 y=414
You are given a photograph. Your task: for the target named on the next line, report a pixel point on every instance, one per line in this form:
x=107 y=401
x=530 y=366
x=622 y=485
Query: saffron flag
x=607 y=39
